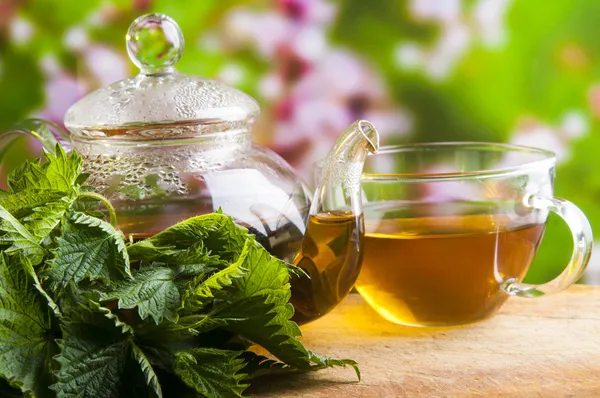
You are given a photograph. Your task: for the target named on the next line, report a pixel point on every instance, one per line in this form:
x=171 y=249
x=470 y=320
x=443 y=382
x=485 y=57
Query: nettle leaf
x=19 y=238
x=26 y=331
x=88 y=248
x=262 y=296
x=150 y=376
x=63 y=171
x=38 y=286
x=60 y=172
x=22 y=203
x=319 y=362
x=38 y=221
x=92 y=358
x=266 y=287
x=118 y=323
x=259 y=365
x=201 y=291
x=211 y=372
x=193 y=270
x=152 y=290
x=211 y=239
x=44 y=219
x=30 y=175
x=198 y=324
x=171 y=334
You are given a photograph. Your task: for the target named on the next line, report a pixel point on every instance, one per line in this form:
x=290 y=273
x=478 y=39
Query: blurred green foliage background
x=521 y=71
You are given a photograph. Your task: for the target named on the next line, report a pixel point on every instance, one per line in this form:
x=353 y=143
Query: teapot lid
x=159 y=102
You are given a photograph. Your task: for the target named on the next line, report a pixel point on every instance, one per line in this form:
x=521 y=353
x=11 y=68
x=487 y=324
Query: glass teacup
x=452 y=228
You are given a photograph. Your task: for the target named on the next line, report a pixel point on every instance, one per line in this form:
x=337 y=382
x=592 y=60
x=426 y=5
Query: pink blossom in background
x=337 y=91
x=448 y=191
x=76 y=38
x=574 y=124
x=534 y=133
x=106 y=64
x=62 y=90
x=316 y=91
x=445 y=11
x=488 y=16
x=315 y=11
x=265 y=31
x=458 y=29
x=541 y=136
x=21 y=31
x=104 y=15
x=99 y=66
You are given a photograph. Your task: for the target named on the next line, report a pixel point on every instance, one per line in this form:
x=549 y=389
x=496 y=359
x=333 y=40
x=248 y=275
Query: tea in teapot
x=326 y=258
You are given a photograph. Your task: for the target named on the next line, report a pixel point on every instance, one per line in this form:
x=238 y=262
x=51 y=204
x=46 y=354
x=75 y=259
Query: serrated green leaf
x=160 y=357
x=193 y=270
x=19 y=238
x=88 y=248
x=30 y=175
x=269 y=322
x=88 y=369
x=185 y=331
x=147 y=369
x=124 y=326
x=74 y=301
x=38 y=286
x=194 y=325
x=22 y=203
x=84 y=306
x=60 y=172
x=211 y=239
x=200 y=292
x=262 y=296
x=93 y=355
x=82 y=178
x=259 y=365
x=44 y=219
x=152 y=291
x=319 y=362
x=211 y=372
x=26 y=340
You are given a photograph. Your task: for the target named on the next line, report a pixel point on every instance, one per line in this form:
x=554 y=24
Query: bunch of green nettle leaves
x=85 y=313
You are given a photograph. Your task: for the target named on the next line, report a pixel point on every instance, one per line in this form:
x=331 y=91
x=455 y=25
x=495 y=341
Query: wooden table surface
x=545 y=347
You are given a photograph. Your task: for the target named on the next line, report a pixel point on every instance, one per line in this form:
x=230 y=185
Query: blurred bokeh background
x=520 y=71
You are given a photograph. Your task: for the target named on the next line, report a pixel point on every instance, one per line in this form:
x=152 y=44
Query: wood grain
x=545 y=347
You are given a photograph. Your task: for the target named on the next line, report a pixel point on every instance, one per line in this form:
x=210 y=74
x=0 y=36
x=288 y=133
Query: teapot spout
x=332 y=247
x=47 y=133
x=338 y=185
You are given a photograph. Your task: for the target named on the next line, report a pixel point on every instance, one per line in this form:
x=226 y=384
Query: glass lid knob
x=154 y=43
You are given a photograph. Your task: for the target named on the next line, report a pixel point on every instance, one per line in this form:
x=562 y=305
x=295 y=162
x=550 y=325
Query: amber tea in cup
x=451 y=230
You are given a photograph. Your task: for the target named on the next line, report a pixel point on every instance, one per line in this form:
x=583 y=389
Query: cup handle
x=581 y=231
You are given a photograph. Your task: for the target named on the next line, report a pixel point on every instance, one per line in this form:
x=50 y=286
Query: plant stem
x=111 y=210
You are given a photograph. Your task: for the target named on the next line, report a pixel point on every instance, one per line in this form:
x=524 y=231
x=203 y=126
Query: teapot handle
x=47 y=133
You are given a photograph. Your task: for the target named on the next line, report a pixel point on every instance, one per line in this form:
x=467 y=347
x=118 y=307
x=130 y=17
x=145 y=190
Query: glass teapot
x=164 y=146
